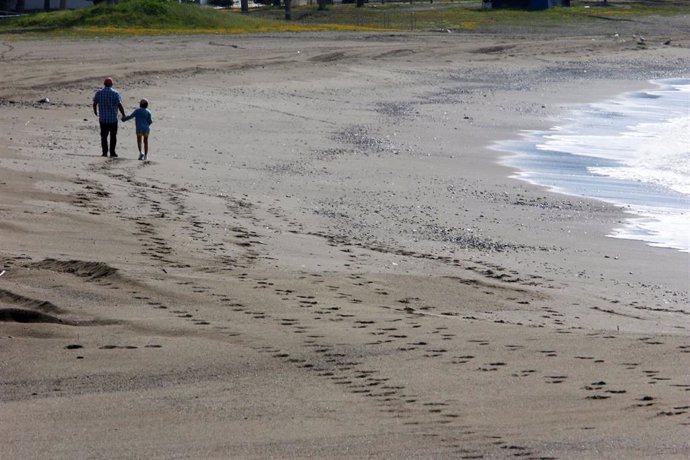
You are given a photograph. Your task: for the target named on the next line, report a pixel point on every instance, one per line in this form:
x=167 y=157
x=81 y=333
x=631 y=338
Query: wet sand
x=323 y=257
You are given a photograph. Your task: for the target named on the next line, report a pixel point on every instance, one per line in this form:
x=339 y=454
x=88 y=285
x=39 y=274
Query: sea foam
x=632 y=151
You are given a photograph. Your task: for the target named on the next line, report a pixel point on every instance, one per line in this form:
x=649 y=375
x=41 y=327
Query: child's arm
x=149 y=119
x=128 y=117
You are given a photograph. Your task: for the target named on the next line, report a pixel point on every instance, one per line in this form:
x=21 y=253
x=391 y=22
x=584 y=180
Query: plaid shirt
x=107 y=100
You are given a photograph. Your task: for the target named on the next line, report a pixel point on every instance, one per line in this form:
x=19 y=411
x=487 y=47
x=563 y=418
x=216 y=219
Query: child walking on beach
x=143 y=120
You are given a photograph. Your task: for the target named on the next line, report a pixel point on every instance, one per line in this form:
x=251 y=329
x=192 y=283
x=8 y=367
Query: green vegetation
x=133 y=17
x=469 y=15
x=154 y=15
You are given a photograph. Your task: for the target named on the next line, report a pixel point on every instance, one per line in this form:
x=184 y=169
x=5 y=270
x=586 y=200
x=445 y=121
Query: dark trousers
x=108 y=129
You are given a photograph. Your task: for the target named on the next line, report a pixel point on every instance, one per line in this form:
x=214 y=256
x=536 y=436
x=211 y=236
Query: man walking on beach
x=106 y=103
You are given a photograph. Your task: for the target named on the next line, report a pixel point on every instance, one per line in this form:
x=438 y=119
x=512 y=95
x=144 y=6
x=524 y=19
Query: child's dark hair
x=143 y=103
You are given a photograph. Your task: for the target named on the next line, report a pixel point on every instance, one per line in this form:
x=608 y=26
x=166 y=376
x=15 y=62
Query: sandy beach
x=324 y=257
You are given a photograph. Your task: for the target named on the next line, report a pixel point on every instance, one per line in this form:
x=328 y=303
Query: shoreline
x=328 y=264
x=656 y=207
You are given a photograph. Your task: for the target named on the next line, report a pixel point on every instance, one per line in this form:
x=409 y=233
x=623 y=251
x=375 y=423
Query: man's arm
x=121 y=109
x=95 y=108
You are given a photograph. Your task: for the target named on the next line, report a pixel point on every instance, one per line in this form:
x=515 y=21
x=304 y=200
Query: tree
x=360 y=3
x=63 y=4
x=244 y=6
x=322 y=4
x=288 y=10
x=46 y=5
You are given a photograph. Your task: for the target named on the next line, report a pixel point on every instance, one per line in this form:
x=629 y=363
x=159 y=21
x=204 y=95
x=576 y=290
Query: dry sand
x=323 y=257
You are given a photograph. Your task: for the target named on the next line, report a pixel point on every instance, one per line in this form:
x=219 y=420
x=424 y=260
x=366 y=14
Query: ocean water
x=632 y=151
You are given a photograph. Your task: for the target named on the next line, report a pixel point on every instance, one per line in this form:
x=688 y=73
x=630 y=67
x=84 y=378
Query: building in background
x=40 y=5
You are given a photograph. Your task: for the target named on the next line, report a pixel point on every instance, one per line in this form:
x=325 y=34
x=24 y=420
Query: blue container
x=539 y=4
x=528 y=4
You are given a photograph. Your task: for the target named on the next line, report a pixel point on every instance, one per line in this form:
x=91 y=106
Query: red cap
x=108 y=82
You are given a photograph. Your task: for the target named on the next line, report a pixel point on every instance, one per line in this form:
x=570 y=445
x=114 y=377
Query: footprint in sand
x=555 y=378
